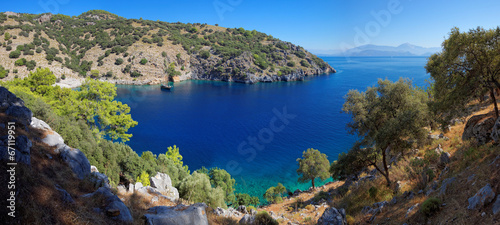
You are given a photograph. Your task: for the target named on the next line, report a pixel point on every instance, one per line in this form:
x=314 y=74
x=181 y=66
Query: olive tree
x=468 y=67
x=387 y=118
x=312 y=165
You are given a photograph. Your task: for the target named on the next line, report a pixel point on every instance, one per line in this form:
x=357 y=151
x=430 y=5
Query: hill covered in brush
x=101 y=44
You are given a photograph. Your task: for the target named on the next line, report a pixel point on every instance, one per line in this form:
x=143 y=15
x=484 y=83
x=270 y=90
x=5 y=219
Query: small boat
x=166 y=87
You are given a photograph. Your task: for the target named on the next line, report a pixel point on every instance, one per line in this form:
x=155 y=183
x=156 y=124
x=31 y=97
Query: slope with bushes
x=100 y=44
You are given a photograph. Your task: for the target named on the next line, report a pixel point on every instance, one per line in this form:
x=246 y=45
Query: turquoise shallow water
x=242 y=128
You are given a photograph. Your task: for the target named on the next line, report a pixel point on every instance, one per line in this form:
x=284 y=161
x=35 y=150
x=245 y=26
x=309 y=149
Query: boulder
x=444 y=158
x=137 y=186
x=479 y=127
x=39 y=124
x=242 y=209
x=13 y=106
x=65 y=196
x=76 y=160
x=496 y=206
x=253 y=212
x=484 y=196
x=495 y=131
x=444 y=185
x=411 y=209
x=99 y=180
x=247 y=219
x=21 y=113
x=163 y=183
x=52 y=138
x=94 y=169
x=332 y=216
x=113 y=206
x=177 y=215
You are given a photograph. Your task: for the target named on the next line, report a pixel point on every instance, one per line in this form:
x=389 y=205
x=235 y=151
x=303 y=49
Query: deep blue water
x=209 y=120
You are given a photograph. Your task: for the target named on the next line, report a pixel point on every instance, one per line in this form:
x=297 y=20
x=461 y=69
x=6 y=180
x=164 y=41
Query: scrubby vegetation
x=68 y=40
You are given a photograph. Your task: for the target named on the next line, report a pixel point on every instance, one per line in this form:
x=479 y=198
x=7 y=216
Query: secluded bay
x=241 y=128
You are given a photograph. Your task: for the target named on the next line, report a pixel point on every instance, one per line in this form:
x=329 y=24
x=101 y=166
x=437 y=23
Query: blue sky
x=315 y=25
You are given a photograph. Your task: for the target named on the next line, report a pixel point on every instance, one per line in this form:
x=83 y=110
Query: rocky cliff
x=130 y=51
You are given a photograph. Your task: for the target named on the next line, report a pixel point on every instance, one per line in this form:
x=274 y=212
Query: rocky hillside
x=100 y=44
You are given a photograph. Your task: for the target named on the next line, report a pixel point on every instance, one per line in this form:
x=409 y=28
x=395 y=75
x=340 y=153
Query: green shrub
x=118 y=61
x=14 y=54
x=143 y=61
x=430 y=206
x=321 y=195
x=30 y=65
x=290 y=64
x=143 y=178
x=250 y=207
x=373 y=191
x=263 y=218
x=304 y=63
x=20 y=62
x=3 y=72
x=63 y=77
x=8 y=48
x=205 y=54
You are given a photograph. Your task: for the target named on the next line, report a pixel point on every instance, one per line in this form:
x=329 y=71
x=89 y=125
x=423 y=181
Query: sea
x=257 y=131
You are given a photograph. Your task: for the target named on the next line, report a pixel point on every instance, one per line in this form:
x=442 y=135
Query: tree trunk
x=493 y=98
x=312 y=182
x=384 y=162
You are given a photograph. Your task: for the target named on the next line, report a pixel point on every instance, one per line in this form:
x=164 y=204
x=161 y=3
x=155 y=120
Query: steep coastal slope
x=100 y=44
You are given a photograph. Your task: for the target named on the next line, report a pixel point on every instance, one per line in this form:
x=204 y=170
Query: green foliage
x=118 y=61
x=467 y=68
x=263 y=218
x=143 y=61
x=430 y=206
x=373 y=191
x=8 y=48
x=274 y=194
x=94 y=73
x=205 y=54
x=14 y=54
x=260 y=61
x=197 y=188
x=135 y=74
x=3 y=72
x=20 y=62
x=300 y=54
x=321 y=195
x=63 y=77
x=245 y=199
x=304 y=63
x=108 y=117
x=7 y=36
x=30 y=65
x=164 y=54
x=221 y=178
x=385 y=117
x=312 y=165
x=143 y=178
x=290 y=64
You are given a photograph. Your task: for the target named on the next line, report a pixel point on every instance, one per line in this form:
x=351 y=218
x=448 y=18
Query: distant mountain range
x=380 y=50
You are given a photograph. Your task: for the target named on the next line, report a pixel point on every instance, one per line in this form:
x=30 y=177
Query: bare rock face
x=479 y=127
x=163 y=183
x=13 y=106
x=113 y=206
x=332 y=216
x=495 y=131
x=178 y=215
x=484 y=196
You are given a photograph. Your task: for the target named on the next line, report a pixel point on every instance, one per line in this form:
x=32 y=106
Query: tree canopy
x=312 y=165
x=388 y=118
x=467 y=68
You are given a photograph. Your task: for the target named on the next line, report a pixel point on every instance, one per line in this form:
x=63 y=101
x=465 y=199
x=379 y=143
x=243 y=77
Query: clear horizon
x=321 y=26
